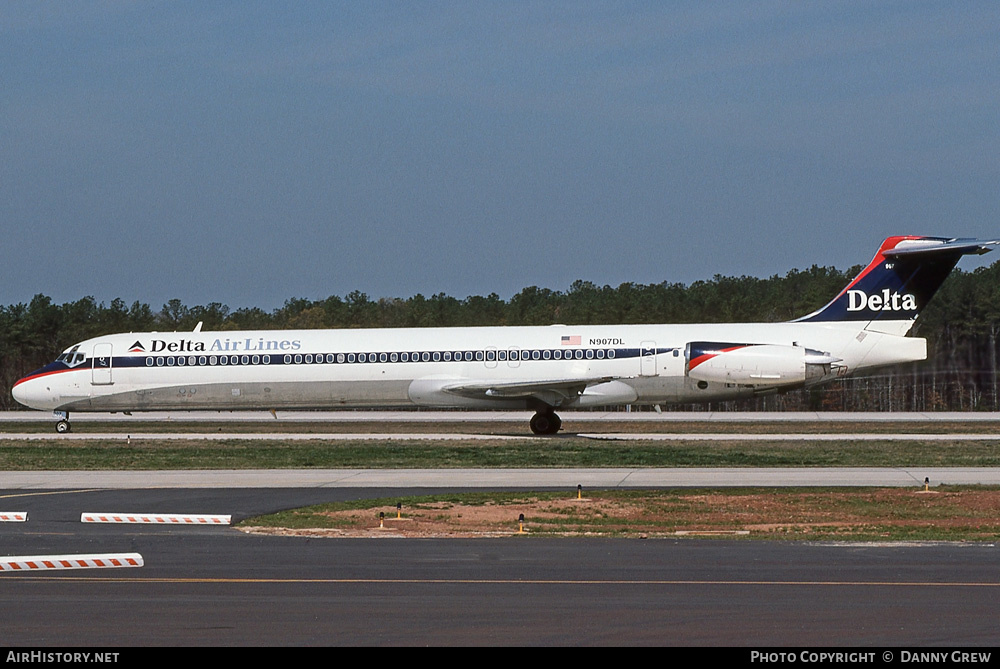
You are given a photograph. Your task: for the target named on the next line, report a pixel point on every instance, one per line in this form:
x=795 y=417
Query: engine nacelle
x=756 y=364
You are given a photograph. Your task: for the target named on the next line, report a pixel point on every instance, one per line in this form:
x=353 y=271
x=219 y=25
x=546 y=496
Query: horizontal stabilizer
x=938 y=246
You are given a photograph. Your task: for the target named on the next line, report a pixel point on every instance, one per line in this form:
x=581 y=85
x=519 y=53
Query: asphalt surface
x=216 y=586
x=511 y=416
x=470 y=479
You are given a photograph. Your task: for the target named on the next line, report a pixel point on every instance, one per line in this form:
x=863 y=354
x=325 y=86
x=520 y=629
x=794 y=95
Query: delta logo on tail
x=900 y=280
x=886 y=301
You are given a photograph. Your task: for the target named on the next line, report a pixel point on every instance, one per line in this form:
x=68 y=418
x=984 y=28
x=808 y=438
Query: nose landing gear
x=62 y=426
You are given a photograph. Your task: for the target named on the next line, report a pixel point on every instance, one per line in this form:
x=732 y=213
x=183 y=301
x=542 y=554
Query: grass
x=815 y=514
x=563 y=451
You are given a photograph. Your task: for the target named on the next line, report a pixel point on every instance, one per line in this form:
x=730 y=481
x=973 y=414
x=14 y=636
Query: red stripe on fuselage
x=55 y=371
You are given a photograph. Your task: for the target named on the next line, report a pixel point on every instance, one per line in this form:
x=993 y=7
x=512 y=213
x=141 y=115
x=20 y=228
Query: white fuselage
x=456 y=367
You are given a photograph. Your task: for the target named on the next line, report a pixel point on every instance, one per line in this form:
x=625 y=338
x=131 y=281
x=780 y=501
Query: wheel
x=62 y=427
x=545 y=423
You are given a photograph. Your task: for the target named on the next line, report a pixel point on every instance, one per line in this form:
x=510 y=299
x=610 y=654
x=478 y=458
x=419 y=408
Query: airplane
x=540 y=368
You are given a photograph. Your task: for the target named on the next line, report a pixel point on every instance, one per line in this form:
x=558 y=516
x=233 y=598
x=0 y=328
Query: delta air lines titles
x=190 y=346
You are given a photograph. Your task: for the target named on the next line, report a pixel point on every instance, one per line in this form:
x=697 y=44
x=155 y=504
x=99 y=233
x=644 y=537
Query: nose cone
x=24 y=391
x=35 y=391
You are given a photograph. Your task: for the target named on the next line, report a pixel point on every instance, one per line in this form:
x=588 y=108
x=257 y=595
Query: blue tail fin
x=900 y=280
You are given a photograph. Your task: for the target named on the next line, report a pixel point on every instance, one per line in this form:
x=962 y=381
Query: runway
x=210 y=586
x=459 y=436
x=421 y=416
x=493 y=479
x=216 y=586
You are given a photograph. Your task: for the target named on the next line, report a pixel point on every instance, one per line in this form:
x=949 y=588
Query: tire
x=545 y=423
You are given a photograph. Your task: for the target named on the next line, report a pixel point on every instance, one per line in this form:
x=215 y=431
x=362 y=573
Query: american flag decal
x=568 y=340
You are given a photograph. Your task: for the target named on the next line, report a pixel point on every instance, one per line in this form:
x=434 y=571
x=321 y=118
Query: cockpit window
x=72 y=356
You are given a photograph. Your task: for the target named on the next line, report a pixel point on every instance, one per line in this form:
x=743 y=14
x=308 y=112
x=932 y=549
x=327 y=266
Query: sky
x=251 y=152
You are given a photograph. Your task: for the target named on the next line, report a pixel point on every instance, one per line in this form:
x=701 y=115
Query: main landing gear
x=545 y=422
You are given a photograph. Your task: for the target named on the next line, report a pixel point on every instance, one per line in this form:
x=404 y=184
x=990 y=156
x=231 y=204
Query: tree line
x=961 y=325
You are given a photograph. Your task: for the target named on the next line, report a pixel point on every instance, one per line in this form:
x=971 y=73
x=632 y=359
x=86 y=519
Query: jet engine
x=756 y=364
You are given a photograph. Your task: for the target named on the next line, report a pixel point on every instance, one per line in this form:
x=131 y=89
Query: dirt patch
x=880 y=513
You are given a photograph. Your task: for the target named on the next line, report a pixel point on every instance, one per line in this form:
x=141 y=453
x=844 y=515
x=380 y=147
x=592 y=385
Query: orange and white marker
x=13 y=516
x=156 y=518
x=85 y=561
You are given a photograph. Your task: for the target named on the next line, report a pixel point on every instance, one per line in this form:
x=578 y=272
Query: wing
x=554 y=392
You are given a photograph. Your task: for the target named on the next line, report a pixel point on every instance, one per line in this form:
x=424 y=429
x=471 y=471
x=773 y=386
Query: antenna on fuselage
x=197 y=328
